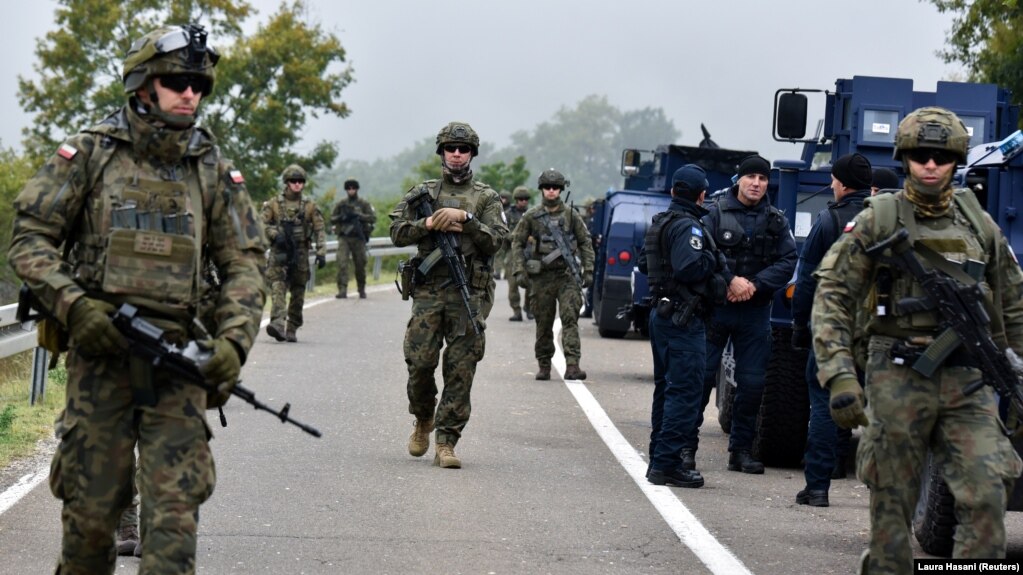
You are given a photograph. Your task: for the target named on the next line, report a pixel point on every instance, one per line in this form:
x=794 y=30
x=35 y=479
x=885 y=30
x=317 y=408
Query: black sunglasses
x=180 y=82
x=295 y=181
x=452 y=148
x=924 y=155
x=551 y=187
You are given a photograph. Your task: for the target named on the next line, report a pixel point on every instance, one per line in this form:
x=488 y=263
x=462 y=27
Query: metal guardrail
x=16 y=337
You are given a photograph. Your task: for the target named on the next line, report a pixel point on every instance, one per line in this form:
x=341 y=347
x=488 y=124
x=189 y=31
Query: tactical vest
x=966 y=235
x=545 y=244
x=660 y=274
x=466 y=198
x=301 y=216
x=841 y=214
x=141 y=236
x=748 y=255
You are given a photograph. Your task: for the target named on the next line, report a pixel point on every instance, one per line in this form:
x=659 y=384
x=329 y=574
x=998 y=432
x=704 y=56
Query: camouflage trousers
x=911 y=417
x=281 y=309
x=438 y=318
x=553 y=292
x=499 y=260
x=94 y=467
x=353 y=249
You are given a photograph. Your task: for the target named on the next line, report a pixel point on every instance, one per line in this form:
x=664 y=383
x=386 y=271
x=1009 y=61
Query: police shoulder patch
x=696 y=242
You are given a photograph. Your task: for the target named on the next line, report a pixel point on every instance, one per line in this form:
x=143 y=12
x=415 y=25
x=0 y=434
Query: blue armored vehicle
x=620 y=293
x=862 y=115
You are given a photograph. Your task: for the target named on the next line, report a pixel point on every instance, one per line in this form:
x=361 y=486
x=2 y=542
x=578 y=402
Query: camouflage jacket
x=531 y=226
x=353 y=218
x=303 y=210
x=64 y=199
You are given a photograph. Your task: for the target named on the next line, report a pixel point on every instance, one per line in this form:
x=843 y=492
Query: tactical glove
x=587 y=279
x=223 y=368
x=321 y=261
x=91 y=329
x=847 y=402
x=800 y=338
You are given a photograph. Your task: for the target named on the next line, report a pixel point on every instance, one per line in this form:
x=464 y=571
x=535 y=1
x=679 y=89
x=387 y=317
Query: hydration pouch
x=533 y=267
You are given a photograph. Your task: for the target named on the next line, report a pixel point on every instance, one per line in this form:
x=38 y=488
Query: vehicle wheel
x=785 y=408
x=725 y=391
x=610 y=333
x=934 y=522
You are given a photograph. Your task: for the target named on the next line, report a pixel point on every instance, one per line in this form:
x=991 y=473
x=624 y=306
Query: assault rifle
x=966 y=323
x=287 y=228
x=451 y=251
x=150 y=343
x=347 y=215
x=564 y=250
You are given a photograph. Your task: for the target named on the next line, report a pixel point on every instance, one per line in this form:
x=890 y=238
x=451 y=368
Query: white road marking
x=23 y=486
x=718 y=558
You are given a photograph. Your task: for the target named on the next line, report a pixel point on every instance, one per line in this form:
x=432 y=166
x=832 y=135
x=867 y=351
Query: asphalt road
x=552 y=476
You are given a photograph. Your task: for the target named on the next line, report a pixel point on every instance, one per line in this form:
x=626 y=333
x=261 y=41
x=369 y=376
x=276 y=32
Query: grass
x=23 y=425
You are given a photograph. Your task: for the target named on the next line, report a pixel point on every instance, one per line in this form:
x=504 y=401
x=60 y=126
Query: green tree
x=15 y=169
x=987 y=39
x=501 y=176
x=268 y=84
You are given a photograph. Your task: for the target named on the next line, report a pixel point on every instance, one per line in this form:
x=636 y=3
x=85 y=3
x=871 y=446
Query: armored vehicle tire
x=934 y=521
x=724 y=394
x=785 y=408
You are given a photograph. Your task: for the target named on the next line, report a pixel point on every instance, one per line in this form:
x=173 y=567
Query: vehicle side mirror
x=790 y=120
x=630 y=162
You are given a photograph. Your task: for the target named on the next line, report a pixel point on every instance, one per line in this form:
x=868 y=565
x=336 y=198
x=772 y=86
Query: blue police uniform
x=822 y=437
x=758 y=246
x=687 y=261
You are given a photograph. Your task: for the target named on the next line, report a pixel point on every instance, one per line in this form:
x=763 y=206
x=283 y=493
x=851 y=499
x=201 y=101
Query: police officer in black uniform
x=761 y=254
x=851 y=178
x=680 y=261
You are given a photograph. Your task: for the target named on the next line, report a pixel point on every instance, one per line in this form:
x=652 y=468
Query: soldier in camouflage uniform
x=139 y=201
x=909 y=416
x=353 y=219
x=513 y=214
x=292 y=223
x=471 y=210
x=547 y=273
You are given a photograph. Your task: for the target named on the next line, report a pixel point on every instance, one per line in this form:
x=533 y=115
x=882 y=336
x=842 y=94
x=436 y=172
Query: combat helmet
x=293 y=172
x=458 y=133
x=521 y=193
x=169 y=51
x=551 y=177
x=932 y=127
x=505 y=195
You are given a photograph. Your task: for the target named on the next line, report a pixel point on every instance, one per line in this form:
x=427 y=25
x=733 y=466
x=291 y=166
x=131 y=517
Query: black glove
x=321 y=261
x=800 y=338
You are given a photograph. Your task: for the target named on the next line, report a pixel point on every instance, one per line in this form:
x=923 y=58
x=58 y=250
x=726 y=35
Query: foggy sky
x=507 y=65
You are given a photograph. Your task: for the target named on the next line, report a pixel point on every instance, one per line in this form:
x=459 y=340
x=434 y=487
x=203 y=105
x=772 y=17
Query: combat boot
x=290 y=336
x=688 y=459
x=813 y=497
x=276 y=331
x=677 y=477
x=446 y=457
x=572 y=371
x=419 y=441
x=517 y=316
x=341 y=295
x=127 y=539
x=362 y=292
x=529 y=315
x=742 y=460
x=543 y=373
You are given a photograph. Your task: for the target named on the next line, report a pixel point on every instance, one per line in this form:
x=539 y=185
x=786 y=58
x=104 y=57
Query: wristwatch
x=468 y=217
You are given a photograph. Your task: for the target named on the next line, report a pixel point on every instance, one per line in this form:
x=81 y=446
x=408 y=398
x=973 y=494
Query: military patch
x=696 y=242
x=504 y=218
x=849 y=227
x=236 y=177
x=67 y=151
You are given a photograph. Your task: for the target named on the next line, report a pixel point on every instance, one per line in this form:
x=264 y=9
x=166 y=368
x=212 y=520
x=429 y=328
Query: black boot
x=742 y=460
x=689 y=459
x=677 y=477
x=813 y=497
x=543 y=373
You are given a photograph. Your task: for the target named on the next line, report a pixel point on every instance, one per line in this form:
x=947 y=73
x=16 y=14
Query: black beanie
x=885 y=179
x=853 y=170
x=754 y=165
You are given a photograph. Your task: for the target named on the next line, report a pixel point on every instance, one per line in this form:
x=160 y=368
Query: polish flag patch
x=237 y=177
x=849 y=227
x=67 y=151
